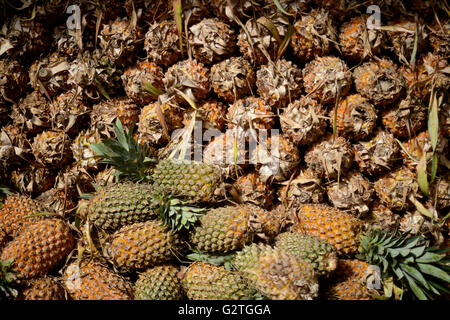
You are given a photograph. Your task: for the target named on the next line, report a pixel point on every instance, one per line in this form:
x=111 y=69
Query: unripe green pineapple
x=222 y=230
x=277 y=274
x=143 y=245
x=311 y=249
x=230 y=228
x=204 y=281
x=159 y=283
x=120 y=204
x=191 y=181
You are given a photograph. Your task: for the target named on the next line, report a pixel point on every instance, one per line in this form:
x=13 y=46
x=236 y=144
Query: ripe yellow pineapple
x=39 y=248
x=337 y=227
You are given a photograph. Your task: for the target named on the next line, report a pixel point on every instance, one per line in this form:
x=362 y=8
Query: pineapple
x=81 y=151
x=13 y=80
x=314 y=35
x=189 y=77
x=355 y=117
x=395 y=189
x=227 y=152
x=91 y=280
x=330 y=158
x=57 y=201
x=310 y=249
x=254 y=191
x=204 y=281
x=349 y=281
x=439 y=36
x=429 y=73
x=25 y=38
x=279 y=83
x=275 y=158
x=378 y=81
x=119 y=41
x=222 y=230
x=32 y=113
x=303 y=121
x=378 y=154
x=325 y=78
x=143 y=245
x=150 y=128
x=105 y=113
x=250 y=112
x=211 y=113
x=14 y=147
x=162 y=43
x=74 y=181
x=230 y=228
x=50 y=74
x=211 y=40
x=353 y=193
x=232 y=79
x=419 y=147
x=45 y=288
x=357 y=42
x=137 y=78
x=159 y=283
x=39 y=248
x=51 y=148
x=32 y=180
x=120 y=204
x=338 y=228
x=306 y=187
x=405 y=35
x=381 y=217
x=69 y=111
x=192 y=181
x=277 y=274
x=95 y=73
x=262 y=46
x=406 y=118
x=17 y=214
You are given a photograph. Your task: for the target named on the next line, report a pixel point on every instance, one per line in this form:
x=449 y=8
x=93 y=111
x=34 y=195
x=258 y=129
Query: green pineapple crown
x=131 y=160
x=409 y=261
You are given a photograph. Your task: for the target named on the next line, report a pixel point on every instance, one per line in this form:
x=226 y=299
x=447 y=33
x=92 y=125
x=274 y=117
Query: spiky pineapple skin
x=222 y=230
x=45 y=288
x=39 y=248
x=120 y=204
x=204 y=281
x=15 y=215
x=311 y=249
x=338 y=228
x=192 y=181
x=276 y=274
x=92 y=280
x=159 y=283
x=143 y=245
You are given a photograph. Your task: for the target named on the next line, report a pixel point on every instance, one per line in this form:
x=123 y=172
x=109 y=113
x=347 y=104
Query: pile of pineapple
x=353 y=205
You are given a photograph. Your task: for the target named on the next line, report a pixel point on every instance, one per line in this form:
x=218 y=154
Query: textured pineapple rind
x=277 y=274
x=192 y=181
x=311 y=249
x=120 y=204
x=159 y=283
x=143 y=245
x=204 y=281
